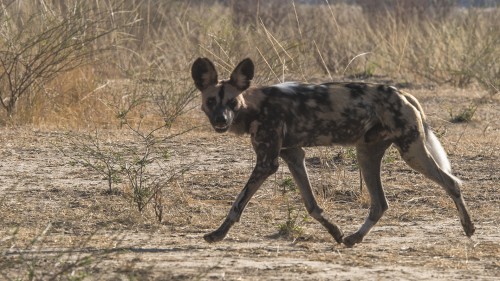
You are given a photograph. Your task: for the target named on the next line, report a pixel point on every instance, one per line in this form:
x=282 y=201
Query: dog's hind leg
x=427 y=161
x=294 y=157
x=369 y=160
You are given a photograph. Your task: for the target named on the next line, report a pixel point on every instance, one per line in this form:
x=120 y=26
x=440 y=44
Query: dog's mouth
x=221 y=128
x=221 y=120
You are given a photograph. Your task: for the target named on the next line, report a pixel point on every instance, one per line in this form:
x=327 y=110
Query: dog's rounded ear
x=203 y=73
x=242 y=75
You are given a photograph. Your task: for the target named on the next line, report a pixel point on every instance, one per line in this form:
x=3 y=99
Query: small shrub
x=90 y=151
x=290 y=228
x=36 y=45
x=465 y=115
x=147 y=108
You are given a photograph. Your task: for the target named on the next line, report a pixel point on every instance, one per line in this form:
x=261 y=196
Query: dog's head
x=221 y=100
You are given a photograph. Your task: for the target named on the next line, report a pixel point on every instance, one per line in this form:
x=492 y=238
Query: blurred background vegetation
x=75 y=63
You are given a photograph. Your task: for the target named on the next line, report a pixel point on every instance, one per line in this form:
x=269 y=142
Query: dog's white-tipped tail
x=436 y=149
x=431 y=141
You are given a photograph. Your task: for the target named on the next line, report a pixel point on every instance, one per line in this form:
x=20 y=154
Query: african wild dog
x=283 y=118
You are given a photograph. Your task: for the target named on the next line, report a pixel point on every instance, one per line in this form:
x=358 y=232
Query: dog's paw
x=213 y=237
x=352 y=239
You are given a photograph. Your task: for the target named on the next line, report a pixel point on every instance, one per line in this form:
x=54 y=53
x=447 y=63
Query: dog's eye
x=211 y=102
x=232 y=103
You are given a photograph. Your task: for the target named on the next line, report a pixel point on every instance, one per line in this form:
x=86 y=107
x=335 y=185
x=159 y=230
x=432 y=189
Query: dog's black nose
x=221 y=119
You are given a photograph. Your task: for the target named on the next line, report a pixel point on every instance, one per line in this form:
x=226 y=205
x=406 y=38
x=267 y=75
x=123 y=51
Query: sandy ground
x=59 y=223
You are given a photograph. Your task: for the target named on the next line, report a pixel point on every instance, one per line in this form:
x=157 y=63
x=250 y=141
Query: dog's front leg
x=258 y=176
x=267 y=146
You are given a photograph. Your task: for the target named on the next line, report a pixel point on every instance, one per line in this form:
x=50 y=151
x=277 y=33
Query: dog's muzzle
x=221 y=121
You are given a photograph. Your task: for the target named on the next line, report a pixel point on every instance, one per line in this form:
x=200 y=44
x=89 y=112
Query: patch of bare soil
x=58 y=222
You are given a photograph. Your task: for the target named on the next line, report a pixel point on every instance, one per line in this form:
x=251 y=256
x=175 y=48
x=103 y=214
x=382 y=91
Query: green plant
x=288 y=185
x=465 y=115
x=390 y=156
x=291 y=227
x=145 y=185
x=346 y=156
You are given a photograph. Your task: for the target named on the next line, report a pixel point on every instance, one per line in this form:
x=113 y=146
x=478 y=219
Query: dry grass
x=60 y=223
x=158 y=40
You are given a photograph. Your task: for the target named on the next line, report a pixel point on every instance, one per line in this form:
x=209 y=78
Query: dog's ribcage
x=324 y=114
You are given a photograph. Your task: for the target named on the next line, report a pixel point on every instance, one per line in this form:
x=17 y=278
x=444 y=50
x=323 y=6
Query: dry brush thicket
x=60 y=61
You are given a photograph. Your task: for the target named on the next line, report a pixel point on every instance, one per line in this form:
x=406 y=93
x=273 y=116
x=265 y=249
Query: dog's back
x=330 y=113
